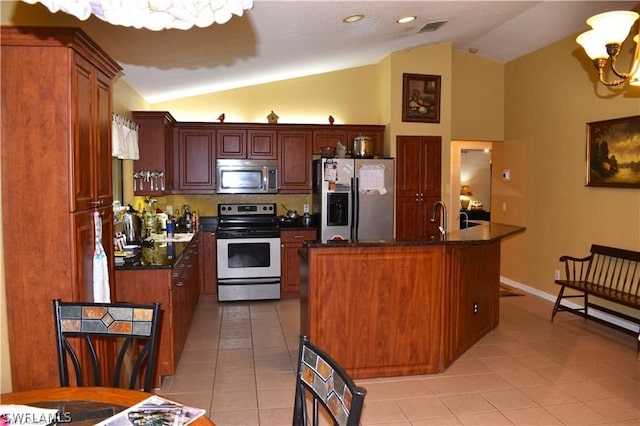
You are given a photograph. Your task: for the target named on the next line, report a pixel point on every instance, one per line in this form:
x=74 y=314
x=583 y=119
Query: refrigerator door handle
x=355 y=210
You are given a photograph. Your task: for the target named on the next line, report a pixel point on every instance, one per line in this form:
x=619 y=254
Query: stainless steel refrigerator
x=354 y=198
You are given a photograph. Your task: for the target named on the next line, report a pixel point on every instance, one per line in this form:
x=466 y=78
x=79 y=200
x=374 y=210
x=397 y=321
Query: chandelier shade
x=152 y=14
x=604 y=41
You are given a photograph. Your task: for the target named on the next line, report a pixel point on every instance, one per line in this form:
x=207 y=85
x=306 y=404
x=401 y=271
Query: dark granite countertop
x=480 y=234
x=158 y=255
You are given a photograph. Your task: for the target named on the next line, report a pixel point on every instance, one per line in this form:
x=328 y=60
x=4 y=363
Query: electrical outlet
x=169 y=210
x=556 y=275
x=306 y=208
x=504 y=206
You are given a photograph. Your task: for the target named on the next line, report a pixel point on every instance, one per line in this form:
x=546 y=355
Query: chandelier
x=152 y=14
x=602 y=43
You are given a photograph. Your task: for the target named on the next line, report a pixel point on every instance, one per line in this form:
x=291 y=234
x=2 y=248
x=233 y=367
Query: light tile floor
x=239 y=359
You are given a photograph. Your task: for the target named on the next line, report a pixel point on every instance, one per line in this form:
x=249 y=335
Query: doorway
x=470 y=177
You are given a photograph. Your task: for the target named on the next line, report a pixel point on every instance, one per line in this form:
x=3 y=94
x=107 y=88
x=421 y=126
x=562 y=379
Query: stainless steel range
x=248 y=252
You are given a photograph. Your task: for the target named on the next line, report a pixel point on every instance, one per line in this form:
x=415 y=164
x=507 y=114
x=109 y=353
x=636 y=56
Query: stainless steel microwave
x=247 y=176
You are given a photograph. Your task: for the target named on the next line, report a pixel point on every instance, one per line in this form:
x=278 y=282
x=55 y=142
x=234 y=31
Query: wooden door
x=295 y=161
x=329 y=137
x=262 y=144
x=103 y=183
x=194 y=160
x=418 y=180
x=231 y=143
x=84 y=163
x=209 y=264
x=155 y=146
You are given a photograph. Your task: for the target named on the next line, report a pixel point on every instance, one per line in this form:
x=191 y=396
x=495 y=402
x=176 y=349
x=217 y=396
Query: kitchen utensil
x=292 y=214
x=362 y=147
x=132 y=227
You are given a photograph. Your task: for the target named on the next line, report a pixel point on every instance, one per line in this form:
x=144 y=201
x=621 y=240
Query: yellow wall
x=550 y=96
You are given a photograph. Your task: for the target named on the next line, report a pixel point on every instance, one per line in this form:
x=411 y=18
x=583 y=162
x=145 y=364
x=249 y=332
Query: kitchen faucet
x=443 y=216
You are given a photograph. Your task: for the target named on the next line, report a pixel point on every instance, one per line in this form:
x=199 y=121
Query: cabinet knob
x=179 y=284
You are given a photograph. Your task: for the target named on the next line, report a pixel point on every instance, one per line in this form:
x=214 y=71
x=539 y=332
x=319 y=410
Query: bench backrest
x=615 y=268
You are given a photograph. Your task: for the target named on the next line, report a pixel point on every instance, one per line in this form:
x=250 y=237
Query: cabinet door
x=209 y=265
x=231 y=143
x=295 y=161
x=195 y=161
x=330 y=137
x=92 y=186
x=262 y=144
x=102 y=145
x=83 y=249
x=84 y=164
x=155 y=146
x=290 y=260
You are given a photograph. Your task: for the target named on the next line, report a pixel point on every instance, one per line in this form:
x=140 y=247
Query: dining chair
x=81 y=329
x=326 y=387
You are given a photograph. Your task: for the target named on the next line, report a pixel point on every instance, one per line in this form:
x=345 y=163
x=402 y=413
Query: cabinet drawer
x=292 y=236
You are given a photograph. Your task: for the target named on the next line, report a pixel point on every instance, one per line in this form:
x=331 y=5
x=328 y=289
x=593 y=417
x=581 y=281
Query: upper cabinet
x=241 y=142
x=155 y=145
x=324 y=136
x=185 y=154
x=294 y=164
x=194 y=159
x=91 y=135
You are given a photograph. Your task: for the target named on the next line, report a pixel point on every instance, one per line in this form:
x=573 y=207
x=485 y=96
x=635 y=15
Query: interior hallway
x=239 y=360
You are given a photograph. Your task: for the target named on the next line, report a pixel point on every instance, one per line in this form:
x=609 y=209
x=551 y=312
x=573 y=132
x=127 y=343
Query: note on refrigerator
x=372 y=178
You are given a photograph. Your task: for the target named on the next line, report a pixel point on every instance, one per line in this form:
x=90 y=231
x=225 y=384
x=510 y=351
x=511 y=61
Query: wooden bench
x=608 y=273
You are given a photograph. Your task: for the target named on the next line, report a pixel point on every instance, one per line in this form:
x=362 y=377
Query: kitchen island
x=395 y=308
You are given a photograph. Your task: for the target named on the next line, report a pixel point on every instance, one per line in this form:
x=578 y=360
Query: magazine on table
x=156 y=411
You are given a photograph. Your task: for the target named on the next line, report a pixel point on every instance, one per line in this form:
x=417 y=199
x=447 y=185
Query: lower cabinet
x=291 y=240
x=177 y=289
x=209 y=284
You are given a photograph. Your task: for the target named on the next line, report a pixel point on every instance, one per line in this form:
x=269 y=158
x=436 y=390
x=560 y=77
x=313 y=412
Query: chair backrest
x=325 y=385
x=132 y=330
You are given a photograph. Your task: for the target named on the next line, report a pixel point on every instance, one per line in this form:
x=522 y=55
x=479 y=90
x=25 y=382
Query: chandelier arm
x=599 y=64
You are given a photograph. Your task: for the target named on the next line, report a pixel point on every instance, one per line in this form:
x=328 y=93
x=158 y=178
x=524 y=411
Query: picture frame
x=421 y=98
x=613 y=153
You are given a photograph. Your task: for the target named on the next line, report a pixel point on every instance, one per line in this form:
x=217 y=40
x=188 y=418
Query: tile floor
x=239 y=358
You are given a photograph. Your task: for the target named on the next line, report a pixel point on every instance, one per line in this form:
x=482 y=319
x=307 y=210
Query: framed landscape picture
x=613 y=153
x=421 y=98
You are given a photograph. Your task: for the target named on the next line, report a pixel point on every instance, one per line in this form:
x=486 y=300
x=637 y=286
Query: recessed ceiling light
x=353 y=18
x=405 y=19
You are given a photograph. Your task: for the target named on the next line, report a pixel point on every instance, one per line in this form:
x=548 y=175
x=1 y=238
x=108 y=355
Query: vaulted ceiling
x=286 y=39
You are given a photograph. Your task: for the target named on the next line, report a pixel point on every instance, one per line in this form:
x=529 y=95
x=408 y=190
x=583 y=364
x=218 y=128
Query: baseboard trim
x=552 y=298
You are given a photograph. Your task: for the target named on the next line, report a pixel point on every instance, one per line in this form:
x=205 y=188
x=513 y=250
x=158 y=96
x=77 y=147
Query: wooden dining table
x=84 y=405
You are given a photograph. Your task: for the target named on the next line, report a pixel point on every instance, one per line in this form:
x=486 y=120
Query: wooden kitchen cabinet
x=56 y=171
x=475 y=301
x=195 y=160
x=418 y=168
x=290 y=242
x=331 y=135
x=295 y=161
x=177 y=289
x=208 y=250
x=155 y=146
x=246 y=143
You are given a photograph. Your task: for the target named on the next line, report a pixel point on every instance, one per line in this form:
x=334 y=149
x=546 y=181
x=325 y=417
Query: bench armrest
x=576 y=268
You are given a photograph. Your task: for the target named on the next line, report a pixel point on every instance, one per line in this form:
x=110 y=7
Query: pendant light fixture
x=152 y=14
x=603 y=44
